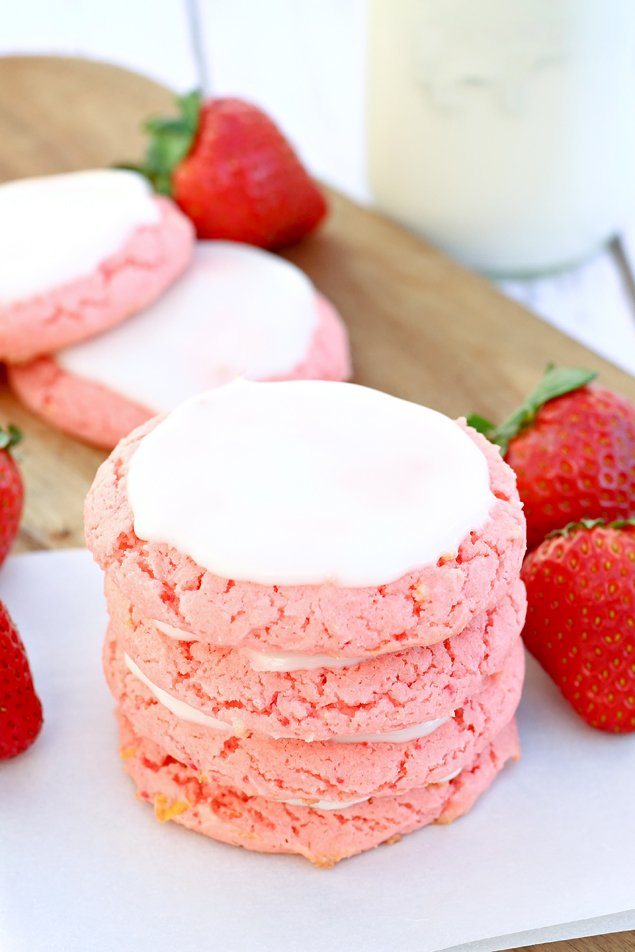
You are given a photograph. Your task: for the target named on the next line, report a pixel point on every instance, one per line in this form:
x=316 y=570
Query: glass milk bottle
x=503 y=131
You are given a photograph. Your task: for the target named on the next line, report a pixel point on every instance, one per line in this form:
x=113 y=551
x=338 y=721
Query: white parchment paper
x=85 y=866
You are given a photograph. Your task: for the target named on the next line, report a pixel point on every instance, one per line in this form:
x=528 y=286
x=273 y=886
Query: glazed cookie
x=341 y=769
x=307 y=516
x=273 y=694
x=80 y=252
x=321 y=833
x=237 y=311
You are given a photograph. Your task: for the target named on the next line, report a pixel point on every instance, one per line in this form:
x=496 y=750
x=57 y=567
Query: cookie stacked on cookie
x=315 y=614
x=110 y=312
x=81 y=252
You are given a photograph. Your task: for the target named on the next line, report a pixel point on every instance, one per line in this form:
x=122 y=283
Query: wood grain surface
x=421 y=327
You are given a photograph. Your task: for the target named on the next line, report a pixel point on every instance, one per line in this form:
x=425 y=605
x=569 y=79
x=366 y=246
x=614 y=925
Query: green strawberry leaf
x=582 y=524
x=555 y=383
x=479 y=423
x=589 y=524
x=621 y=523
x=170 y=140
x=9 y=437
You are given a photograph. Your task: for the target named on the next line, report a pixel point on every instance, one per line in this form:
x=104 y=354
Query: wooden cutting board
x=421 y=327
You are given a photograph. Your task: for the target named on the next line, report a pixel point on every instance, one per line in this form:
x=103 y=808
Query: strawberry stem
x=582 y=524
x=589 y=524
x=555 y=382
x=170 y=140
x=9 y=437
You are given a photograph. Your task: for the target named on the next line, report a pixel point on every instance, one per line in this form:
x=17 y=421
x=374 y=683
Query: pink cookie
x=179 y=793
x=151 y=258
x=320 y=770
x=100 y=415
x=378 y=695
x=423 y=607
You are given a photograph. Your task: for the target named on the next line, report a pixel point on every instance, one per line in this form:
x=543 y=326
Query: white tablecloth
x=84 y=867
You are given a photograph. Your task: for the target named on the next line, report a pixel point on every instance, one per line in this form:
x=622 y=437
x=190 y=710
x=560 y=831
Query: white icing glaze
x=332 y=805
x=177 y=633
x=295 y=661
x=307 y=483
x=324 y=804
x=59 y=228
x=178 y=708
x=270 y=660
x=187 y=713
x=414 y=732
x=236 y=311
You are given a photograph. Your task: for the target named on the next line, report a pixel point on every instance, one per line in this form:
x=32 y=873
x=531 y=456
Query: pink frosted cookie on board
x=237 y=311
x=324 y=836
x=340 y=769
x=81 y=252
x=310 y=516
x=244 y=689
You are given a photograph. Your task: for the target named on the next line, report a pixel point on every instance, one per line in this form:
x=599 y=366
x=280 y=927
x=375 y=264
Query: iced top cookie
x=308 y=484
x=311 y=516
x=80 y=251
x=237 y=311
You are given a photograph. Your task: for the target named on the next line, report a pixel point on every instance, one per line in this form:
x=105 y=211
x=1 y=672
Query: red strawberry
x=581 y=619
x=20 y=708
x=11 y=491
x=574 y=454
x=230 y=169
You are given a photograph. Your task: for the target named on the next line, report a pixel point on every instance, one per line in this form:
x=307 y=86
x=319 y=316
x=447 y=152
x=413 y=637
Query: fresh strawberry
x=572 y=447
x=230 y=169
x=581 y=619
x=20 y=708
x=11 y=491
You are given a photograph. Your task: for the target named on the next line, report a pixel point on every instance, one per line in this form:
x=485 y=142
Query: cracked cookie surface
x=378 y=694
x=181 y=794
x=123 y=283
x=423 y=607
x=286 y=768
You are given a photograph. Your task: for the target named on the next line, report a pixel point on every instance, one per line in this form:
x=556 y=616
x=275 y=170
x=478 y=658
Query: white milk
x=504 y=130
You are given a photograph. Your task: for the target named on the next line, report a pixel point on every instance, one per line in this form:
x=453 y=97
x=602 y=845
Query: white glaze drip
x=333 y=805
x=269 y=660
x=295 y=661
x=325 y=804
x=181 y=710
x=187 y=713
x=171 y=632
x=414 y=732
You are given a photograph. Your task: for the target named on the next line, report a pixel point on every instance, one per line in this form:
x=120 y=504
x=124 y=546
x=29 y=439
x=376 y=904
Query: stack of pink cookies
x=315 y=614
x=110 y=312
